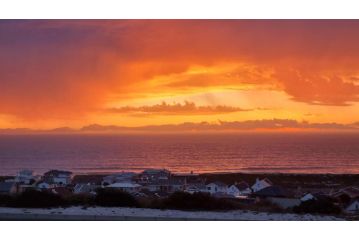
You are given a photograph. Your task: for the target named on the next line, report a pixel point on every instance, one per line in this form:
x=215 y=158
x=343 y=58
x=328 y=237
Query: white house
x=353 y=207
x=216 y=187
x=176 y=185
x=279 y=196
x=24 y=176
x=150 y=175
x=58 y=177
x=307 y=197
x=233 y=190
x=118 y=177
x=126 y=186
x=261 y=184
x=240 y=189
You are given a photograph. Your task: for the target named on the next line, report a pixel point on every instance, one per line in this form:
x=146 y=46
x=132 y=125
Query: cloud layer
x=67 y=69
x=187 y=108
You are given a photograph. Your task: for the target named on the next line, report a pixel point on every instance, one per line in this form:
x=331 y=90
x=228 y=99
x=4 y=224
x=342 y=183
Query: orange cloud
x=67 y=69
x=318 y=89
x=187 y=108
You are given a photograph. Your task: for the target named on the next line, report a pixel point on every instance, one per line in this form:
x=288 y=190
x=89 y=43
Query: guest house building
x=58 y=177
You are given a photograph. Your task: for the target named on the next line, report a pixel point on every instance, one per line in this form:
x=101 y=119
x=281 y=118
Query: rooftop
x=242 y=186
x=57 y=172
x=155 y=171
x=352 y=192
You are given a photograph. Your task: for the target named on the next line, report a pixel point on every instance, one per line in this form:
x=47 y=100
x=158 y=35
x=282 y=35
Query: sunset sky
x=56 y=73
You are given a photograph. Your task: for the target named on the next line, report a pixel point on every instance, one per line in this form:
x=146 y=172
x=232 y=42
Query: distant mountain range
x=251 y=125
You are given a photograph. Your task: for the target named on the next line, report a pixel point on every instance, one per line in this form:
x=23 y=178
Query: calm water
x=315 y=153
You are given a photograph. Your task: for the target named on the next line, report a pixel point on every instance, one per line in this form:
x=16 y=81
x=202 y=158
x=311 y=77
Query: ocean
x=240 y=152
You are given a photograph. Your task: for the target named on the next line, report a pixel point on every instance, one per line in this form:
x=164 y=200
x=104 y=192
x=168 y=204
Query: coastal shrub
x=37 y=199
x=323 y=206
x=115 y=198
x=6 y=200
x=264 y=206
x=196 y=201
x=81 y=200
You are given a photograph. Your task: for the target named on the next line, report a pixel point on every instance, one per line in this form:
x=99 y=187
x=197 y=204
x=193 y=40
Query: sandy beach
x=105 y=213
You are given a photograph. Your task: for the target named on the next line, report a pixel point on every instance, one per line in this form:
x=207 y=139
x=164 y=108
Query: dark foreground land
x=110 y=204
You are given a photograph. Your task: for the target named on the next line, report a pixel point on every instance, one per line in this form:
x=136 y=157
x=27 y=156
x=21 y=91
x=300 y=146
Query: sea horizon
x=249 y=152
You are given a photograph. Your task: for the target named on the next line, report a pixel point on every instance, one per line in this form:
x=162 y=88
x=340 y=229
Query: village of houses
x=161 y=183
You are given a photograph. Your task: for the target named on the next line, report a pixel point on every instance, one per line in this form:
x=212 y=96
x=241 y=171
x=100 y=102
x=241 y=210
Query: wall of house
x=354 y=207
x=213 y=188
x=232 y=190
x=245 y=192
x=63 y=180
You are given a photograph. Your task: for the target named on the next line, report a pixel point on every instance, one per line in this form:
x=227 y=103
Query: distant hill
x=250 y=125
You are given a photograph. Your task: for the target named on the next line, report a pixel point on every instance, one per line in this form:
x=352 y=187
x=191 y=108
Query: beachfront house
x=216 y=187
x=239 y=189
x=58 y=177
x=187 y=178
x=261 y=184
x=182 y=181
x=126 y=186
x=150 y=175
x=346 y=195
x=158 y=185
x=25 y=176
x=158 y=180
x=82 y=188
x=165 y=185
x=8 y=188
x=118 y=177
x=277 y=195
x=196 y=188
x=353 y=206
x=307 y=197
x=176 y=185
